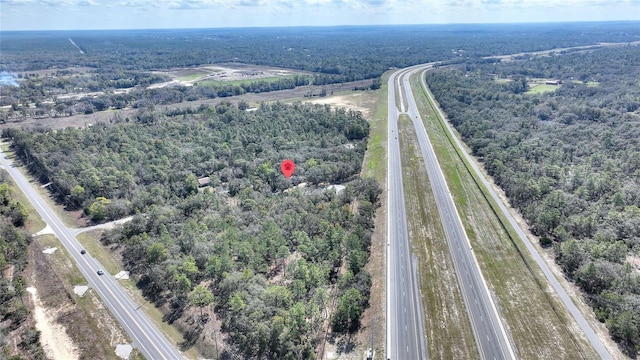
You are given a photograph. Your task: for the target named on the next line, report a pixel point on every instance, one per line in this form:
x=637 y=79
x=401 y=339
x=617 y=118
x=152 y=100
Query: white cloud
x=35 y=14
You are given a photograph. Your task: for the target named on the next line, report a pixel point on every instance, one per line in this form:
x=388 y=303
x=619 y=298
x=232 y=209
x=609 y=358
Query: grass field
x=536 y=320
x=542 y=88
x=191 y=77
x=269 y=79
x=375 y=159
x=447 y=327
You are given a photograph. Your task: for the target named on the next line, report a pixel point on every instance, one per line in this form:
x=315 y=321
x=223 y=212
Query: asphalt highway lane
x=144 y=334
x=581 y=321
x=491 y=338
x=405 y=328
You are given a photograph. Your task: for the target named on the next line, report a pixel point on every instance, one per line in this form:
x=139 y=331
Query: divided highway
x=146 y=337
x=405 y=328
x=584 y=325
x=491 y=338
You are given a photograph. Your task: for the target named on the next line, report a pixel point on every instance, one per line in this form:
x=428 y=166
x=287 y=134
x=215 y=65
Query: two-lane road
x=145 y=335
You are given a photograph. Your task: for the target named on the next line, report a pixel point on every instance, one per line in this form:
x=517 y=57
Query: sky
x=151 y=14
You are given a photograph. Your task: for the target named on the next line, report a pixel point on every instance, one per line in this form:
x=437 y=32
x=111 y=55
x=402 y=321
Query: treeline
x=346 y=53
x=568 y=161
x=131 y=59
x=13 y=260
x=50 y=95
x=130 y=165
x=39 y=99
x=273 y=261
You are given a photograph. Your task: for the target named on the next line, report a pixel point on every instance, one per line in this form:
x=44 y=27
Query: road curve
x=491 y=338
x=405 y=328
x=145 y=335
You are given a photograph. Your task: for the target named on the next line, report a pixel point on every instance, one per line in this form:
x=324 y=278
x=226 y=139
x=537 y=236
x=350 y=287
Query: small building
x=203 y=181
x=553 y=82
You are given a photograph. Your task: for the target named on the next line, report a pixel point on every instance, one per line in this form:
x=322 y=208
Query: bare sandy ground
x=228 y=72
x=54 y=338
x=297 y=94
x=359 y=101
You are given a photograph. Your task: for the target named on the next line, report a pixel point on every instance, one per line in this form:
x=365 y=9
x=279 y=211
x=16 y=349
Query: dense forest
x=347 y=53
x=273 y=259
x=569 y=161
x=133 y=60
x=13 y=260
x=219 y=234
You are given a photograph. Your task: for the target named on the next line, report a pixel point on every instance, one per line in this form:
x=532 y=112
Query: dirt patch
x=108 y=116
x=226 y=72
x=47 y=230
x=635 y=261
x=123 y=350
x=8 y=272
x=49 y=251
x=54 y=338
x=84 y=322
x=359 y=101
x=80 y=290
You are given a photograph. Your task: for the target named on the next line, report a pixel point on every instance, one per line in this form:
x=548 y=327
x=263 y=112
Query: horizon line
x=333 y=26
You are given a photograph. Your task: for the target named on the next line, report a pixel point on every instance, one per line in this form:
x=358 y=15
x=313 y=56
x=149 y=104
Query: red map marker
x=287 y=168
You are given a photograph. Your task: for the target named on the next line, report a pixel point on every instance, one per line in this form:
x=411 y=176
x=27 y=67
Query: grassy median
x=535 y=319
x=447 y=326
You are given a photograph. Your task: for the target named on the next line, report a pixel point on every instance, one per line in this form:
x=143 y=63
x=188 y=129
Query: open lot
x=300 y=93
x=232 y=74
x=542 y=88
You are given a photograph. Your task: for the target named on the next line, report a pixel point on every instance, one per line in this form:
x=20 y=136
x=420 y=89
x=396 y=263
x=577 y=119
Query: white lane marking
x=69 y=240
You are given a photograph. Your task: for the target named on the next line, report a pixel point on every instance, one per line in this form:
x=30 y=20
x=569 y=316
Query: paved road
x=146 y=337
x=405 y=328
x=584 y=325
x=491 y=339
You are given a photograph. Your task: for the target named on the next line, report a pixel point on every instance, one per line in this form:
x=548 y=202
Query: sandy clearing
x=123 y=350
x=80 y=290
x=8 y=272
x=122 y=275
x=355 y=101
x=47 y=230
x=108 y=225
x=49 y=251
x=54 y=338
